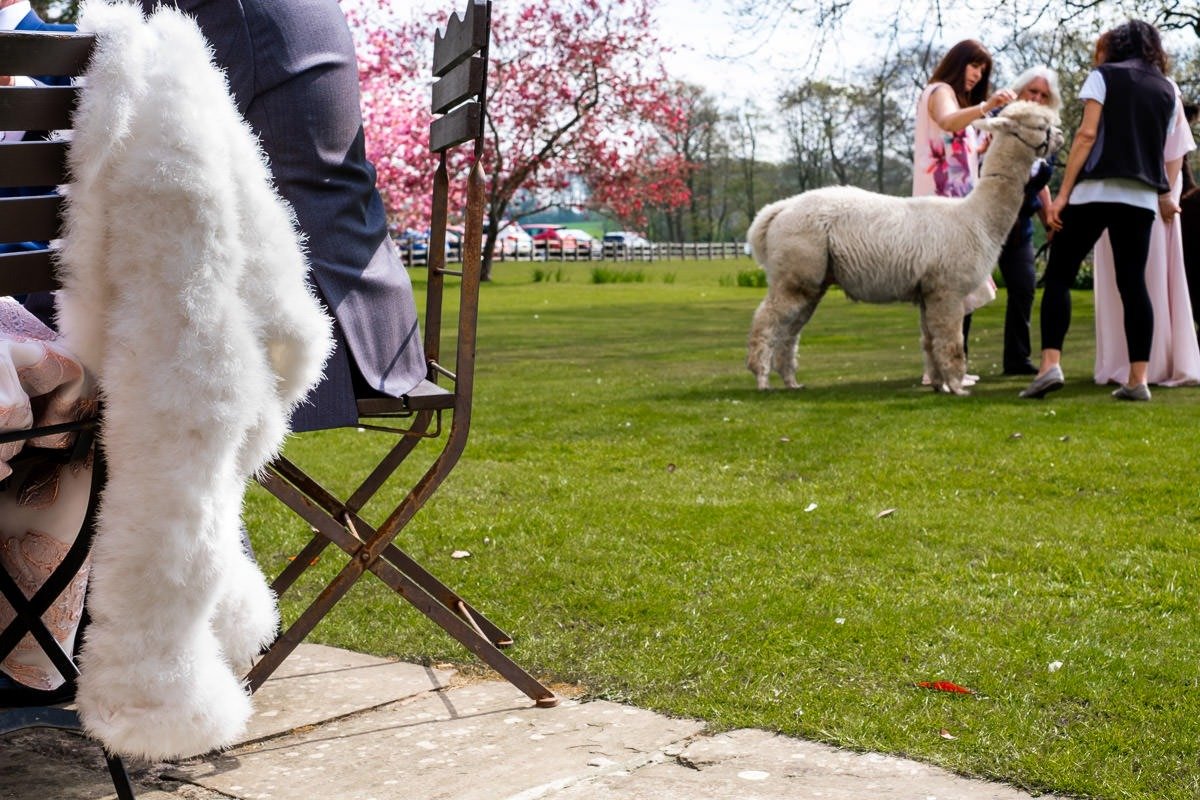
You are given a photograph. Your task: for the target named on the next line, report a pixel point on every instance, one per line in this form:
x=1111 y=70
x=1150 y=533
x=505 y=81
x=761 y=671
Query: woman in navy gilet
x=1115 y=180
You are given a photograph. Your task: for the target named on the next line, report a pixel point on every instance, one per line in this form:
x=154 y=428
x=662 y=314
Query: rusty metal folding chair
x=460 y=63
x=31 y=217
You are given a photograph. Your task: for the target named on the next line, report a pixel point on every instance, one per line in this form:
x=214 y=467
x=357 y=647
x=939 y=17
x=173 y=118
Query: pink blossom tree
x=576 y=93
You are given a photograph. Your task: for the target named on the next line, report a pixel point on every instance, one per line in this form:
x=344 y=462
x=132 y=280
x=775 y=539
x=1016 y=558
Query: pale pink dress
x=41 y=507
x=1174 y=354
x=946 y=164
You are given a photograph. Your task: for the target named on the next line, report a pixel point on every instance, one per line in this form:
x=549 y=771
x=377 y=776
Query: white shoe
x=968 y=380
x=1049 y=381
x=1141 y=392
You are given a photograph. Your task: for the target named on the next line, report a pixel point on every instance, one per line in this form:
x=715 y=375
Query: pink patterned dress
x=1174 y=354
x=42 y=506
x=946 y=164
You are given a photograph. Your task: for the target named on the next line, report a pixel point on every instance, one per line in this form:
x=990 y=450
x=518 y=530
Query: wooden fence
x=607 y=251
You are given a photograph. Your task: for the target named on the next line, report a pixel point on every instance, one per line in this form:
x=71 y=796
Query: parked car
x=413 y=246
x=512 y=240
x=627 y=238
x=584 y=241
x=536 y=229
x=555 y=239
x=453 y=244
x=620 y=243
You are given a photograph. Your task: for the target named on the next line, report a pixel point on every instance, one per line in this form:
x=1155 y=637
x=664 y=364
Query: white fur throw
x=184 y=292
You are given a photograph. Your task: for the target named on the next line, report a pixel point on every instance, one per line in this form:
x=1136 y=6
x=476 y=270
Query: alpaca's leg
x=758 y=355
x=936 y=379
x=785 y=354
x=943 y=316
x=775 y=333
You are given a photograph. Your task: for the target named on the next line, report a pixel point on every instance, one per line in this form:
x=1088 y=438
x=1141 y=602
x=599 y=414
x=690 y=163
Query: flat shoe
x=1042 y=385
x=1141 y=392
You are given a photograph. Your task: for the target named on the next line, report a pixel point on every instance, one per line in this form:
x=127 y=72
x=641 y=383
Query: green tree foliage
x=852 y=134
x=728 y=180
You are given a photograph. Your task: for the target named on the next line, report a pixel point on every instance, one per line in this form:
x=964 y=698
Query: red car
x=552 y=239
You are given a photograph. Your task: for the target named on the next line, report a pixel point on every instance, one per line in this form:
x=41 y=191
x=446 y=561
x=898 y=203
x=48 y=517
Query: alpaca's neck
x=997 y=197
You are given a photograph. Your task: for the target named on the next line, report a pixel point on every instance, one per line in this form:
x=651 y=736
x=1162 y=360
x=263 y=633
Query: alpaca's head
x=1030 y=124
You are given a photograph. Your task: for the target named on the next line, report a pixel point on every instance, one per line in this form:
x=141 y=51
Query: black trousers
x=1020 y=278
x=1129 y=231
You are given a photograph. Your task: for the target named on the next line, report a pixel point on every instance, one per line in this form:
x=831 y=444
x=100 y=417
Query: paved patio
x=356 y=727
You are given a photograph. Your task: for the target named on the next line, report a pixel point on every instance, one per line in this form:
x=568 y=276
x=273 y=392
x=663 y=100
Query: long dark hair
x=1137 y=39
x=952 y=69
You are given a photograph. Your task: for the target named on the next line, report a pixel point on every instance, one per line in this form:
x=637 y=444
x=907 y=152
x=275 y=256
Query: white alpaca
x=932 y=251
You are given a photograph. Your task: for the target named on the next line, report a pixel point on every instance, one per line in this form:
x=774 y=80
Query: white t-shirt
x=1116 y=190
x=11 y=15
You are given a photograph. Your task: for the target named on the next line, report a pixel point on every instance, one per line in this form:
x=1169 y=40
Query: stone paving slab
x=318 y=683
x=757 y=765
x=477 y=742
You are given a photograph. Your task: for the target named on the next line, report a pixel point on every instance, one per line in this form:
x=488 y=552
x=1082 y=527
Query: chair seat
x=425 y=396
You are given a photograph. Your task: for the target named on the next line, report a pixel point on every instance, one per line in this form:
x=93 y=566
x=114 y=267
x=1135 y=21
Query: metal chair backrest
x=31 y=169
x=32 y=166
x=460 y=64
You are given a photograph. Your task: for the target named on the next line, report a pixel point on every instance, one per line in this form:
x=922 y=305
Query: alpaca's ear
x=996 y=125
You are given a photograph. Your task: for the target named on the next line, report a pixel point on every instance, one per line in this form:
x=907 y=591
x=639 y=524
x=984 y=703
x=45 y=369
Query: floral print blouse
x=944 y=164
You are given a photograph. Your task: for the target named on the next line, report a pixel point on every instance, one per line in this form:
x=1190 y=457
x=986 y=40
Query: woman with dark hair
x=1115 y=179
x=1174 y=352
x=946 y=150
x=946 y=158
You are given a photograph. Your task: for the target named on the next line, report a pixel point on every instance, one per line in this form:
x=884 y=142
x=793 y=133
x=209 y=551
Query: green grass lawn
x=650 y=527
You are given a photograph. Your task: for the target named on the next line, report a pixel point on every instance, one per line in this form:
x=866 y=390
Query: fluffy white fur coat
x=185 y=293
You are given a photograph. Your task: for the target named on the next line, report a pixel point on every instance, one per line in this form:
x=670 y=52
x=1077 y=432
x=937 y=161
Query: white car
x=577 y=234
x=626 y=238
x=583 y=239
x=512 y=240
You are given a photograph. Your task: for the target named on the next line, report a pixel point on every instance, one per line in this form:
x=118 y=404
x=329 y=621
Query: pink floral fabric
x=42 y=505
x=944 y=164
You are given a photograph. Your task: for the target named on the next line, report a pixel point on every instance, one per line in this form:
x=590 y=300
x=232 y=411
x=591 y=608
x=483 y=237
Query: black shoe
x=1021 y=369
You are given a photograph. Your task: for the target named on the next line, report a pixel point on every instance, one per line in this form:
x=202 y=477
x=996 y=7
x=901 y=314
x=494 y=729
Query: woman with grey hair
x=1039 y=85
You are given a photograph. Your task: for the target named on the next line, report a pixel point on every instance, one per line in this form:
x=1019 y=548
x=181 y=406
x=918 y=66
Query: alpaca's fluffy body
x=185 y=293
x=933 y=251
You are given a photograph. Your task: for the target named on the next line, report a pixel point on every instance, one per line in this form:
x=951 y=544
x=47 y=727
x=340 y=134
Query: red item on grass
x=944 y=686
